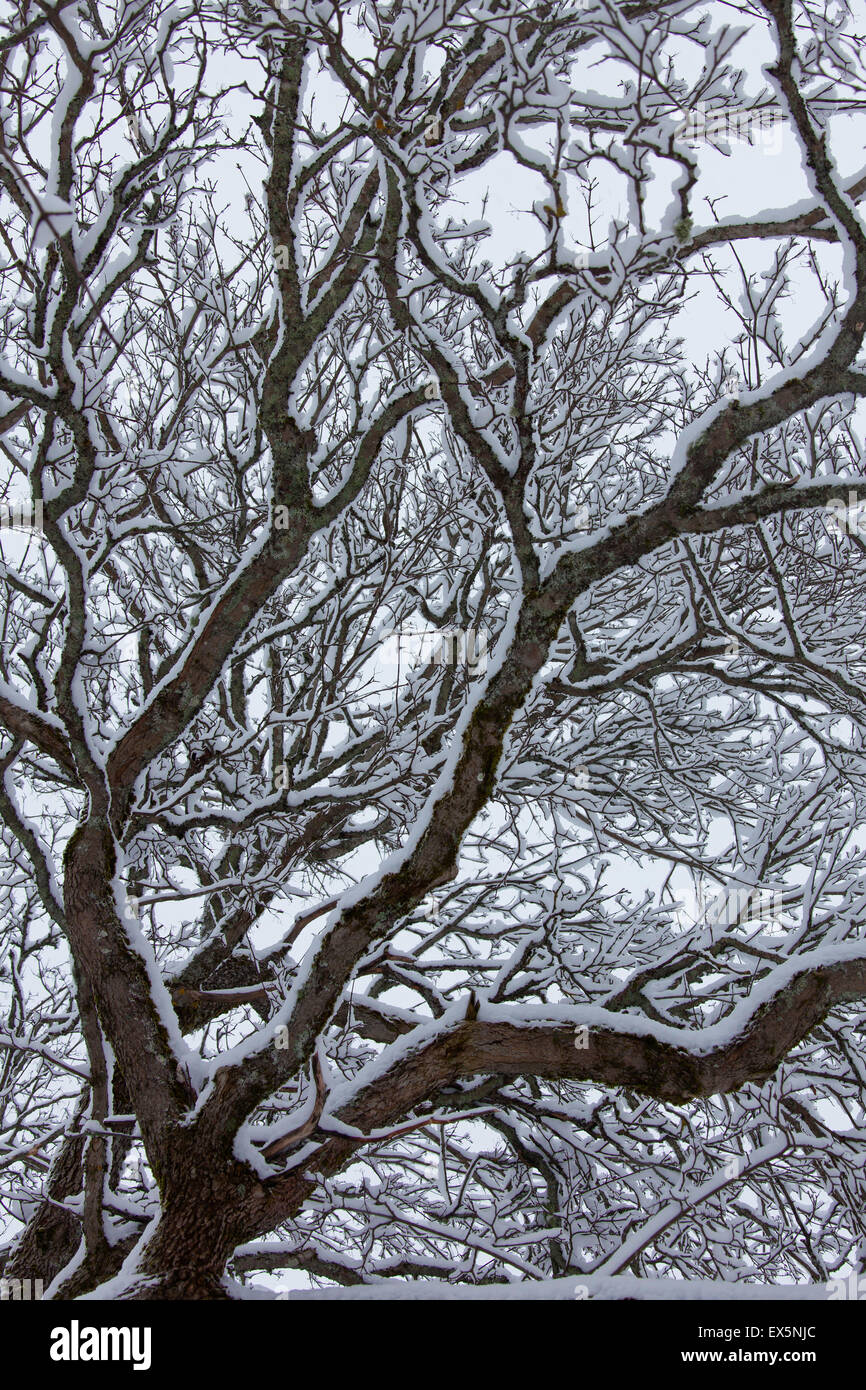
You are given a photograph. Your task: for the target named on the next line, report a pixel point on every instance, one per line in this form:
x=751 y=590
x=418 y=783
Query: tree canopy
x=433 y=641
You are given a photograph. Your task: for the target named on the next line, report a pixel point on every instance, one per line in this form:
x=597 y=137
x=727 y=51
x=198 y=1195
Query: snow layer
x=599 y=1287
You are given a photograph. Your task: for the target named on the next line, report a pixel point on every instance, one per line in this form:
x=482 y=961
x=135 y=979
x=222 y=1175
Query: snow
x=677 y=1195
x=600 y=1288
x=390 y=863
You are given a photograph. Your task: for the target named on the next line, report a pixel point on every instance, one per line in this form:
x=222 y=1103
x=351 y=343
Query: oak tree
x=433 y=640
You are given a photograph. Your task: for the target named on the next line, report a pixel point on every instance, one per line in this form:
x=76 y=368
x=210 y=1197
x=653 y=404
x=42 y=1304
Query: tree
x=431 y=690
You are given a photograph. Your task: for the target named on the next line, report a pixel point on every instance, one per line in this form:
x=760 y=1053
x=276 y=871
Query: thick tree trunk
x=205 y=1200
x=177 y=1283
